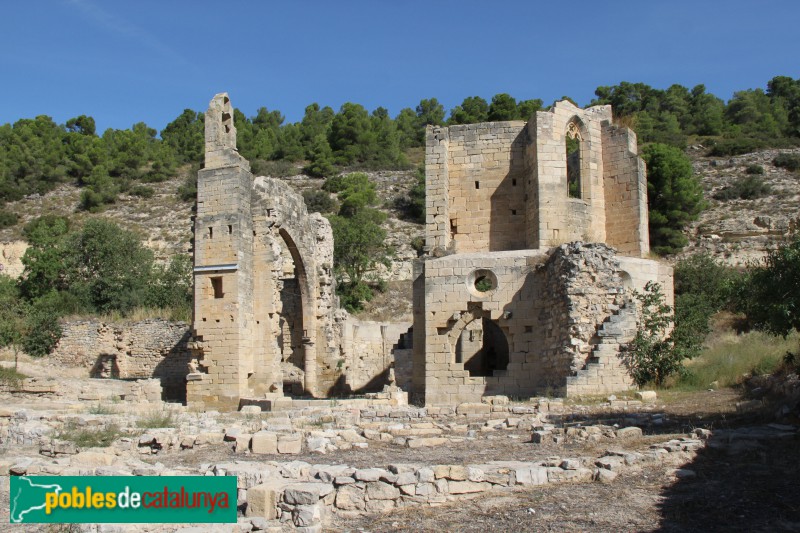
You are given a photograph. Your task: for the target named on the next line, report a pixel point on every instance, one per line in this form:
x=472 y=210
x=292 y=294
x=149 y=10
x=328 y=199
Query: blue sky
x=125 y=62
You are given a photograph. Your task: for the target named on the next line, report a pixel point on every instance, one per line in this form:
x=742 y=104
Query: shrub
x=7 y=219
x=418 y=244
x=319 y=201
x=754 y=169
x=43 y=333
x=745 y=188
x=654 y=355
x=769 y=294
x=143 y=191
x=188 y=190
x=790 y=162
x=412 y=206
x=741 y=145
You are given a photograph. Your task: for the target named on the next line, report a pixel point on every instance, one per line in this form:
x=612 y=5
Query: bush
x=754 y=169
x=790 y=162
x=143 y=191
x=418 y=245
x=319 y=202
x=654 y=355
x=745 y=188
x=7 y=219
x=188 y=191
x=44 y=332
x=741 y=145
x=702 y=288
x=769 y=293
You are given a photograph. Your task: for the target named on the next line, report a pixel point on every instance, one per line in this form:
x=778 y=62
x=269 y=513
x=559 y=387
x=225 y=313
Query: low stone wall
x=153 y=348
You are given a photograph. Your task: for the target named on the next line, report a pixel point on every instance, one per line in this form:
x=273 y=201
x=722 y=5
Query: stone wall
x=625 y=192
x=485 y=187
x=370 y=349
x=152 y=348
x=252 y=235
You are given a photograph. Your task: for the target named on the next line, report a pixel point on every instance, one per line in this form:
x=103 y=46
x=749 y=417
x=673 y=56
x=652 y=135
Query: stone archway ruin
x=242 y=307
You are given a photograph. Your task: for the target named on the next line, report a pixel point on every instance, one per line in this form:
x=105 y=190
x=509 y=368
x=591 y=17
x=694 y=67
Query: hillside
x=735 y=231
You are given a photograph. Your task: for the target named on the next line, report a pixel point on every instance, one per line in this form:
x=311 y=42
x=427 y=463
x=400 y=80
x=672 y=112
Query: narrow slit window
x=210 y=232
x=230 y=229
x=216 y=286
x=573 y=154
x=477 y=184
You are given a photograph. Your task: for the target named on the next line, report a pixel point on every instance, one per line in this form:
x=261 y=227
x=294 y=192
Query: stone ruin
x=504 y=306
x=508 y=300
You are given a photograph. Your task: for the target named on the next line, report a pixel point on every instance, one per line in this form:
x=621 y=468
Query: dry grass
x=730 y=357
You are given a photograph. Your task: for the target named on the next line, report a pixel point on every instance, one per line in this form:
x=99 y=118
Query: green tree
x=408 y=129
x=703 y=287
x=186 y=136
x=472 y=110
x=674 y=196
x=769 y=294
x=503 y=107
x=359 y=246
x=526 y=108
x=44 y=258
x=320 y=158
x=170 y=286
x=316 y=122
x=349 y=134
x=106 y=267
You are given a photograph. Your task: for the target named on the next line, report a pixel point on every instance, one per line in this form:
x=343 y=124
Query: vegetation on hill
x=97 y=268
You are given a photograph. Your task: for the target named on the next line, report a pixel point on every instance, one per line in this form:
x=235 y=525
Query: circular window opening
x=482 y=282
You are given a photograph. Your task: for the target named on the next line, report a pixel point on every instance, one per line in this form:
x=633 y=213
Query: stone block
x=290 y=444
x=467 y=487
x=262 y=500
x=632 y=432
x=535 y=475
x=350 y=498
x=265 y=442
x=242 y=443
x=379 y=490
x=306 y=493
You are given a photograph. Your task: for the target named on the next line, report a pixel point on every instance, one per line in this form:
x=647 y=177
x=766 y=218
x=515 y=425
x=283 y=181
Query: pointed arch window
x=573 y=141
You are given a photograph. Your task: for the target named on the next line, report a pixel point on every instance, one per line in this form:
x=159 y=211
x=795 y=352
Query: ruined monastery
x=536 y=235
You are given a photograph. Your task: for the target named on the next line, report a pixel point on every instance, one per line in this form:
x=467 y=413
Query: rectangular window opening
x=210 y=232
x=514 y=182
x=477 y=184
x=216 y=285
x=513 y=211
x=230 y=229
